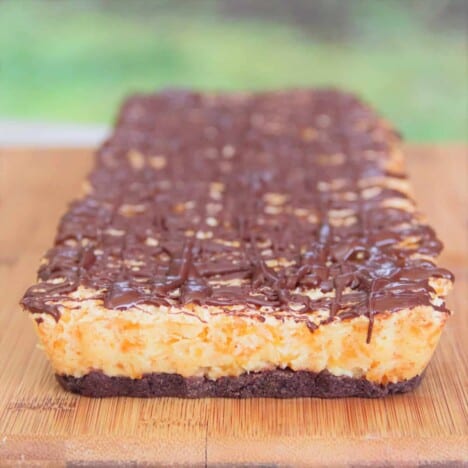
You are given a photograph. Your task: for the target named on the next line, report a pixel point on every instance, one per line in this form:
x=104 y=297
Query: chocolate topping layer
x=245 y=202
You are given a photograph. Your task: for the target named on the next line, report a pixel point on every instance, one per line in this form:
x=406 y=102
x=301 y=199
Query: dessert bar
x=243 y=245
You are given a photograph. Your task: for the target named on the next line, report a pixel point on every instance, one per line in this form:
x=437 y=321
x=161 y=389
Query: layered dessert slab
x=243 y=245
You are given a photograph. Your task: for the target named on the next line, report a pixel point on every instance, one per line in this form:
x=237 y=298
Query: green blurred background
x=73 y=61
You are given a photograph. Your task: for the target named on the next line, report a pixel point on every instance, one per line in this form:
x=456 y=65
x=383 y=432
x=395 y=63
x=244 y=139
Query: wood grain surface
x=41 y=424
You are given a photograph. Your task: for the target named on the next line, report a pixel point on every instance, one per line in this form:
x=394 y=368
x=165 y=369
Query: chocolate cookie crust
x=278 y=383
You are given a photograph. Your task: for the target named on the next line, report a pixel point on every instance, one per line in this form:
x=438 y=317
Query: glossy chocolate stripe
x=245 y=200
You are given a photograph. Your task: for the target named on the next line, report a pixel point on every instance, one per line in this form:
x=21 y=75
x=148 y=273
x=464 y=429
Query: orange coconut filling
x=205 y=341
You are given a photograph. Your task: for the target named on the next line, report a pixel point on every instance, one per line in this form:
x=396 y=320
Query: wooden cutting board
x=41 y=423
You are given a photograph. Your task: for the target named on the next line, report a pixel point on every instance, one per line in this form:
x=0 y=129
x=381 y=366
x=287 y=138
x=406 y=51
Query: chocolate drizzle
x=249 y=201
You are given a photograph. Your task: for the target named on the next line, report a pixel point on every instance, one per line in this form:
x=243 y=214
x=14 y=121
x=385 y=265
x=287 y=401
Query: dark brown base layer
x=279 y=383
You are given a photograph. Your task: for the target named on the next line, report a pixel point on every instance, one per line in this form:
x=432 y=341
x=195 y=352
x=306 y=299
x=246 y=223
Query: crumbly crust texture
x=279 y=383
